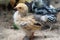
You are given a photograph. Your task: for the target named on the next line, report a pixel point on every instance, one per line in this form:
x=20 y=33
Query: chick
x=25 y=21
x=44 y=12
x=21 y=12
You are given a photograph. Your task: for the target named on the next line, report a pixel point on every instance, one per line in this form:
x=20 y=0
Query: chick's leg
x=32 y=36
x=29 y=35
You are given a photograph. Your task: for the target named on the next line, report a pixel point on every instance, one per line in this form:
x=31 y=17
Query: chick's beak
x=15 y=8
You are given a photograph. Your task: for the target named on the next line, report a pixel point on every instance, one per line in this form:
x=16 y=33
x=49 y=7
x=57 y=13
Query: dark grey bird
x=44 y=12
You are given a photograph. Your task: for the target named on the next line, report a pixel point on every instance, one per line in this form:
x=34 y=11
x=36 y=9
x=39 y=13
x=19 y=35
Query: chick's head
x=22 y=8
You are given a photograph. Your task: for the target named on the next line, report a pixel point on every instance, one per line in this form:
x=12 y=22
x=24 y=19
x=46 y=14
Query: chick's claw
x=26 y=38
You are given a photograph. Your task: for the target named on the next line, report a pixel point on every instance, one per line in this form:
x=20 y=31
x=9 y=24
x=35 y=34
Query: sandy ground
x=6 y=33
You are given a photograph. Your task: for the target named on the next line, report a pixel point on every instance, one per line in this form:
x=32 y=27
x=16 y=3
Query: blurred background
x=6 y=22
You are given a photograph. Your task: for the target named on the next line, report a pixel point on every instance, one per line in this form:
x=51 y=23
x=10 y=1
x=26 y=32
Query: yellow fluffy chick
x=25 y=21
x=21 y=12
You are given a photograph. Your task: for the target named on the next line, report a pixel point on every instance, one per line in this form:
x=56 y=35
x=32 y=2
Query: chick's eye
x=20 y=8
